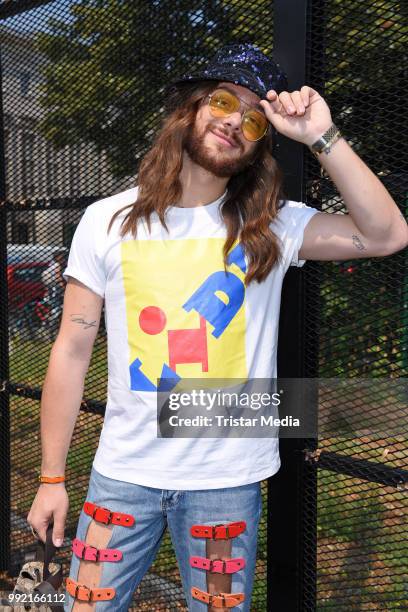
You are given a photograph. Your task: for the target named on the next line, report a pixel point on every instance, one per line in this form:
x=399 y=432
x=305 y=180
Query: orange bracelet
x=51 y=479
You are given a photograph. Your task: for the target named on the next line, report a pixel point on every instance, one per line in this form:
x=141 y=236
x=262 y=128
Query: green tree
x=106 y=70
x=366 y=52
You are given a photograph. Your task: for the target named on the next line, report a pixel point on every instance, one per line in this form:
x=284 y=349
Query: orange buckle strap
x=84 y=593
x=106 y=516
x=218 y=600
x=218 y=566
x=218 y=532
x=90 y=553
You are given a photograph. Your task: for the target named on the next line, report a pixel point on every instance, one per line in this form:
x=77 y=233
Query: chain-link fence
x=81 y=98
x=359 y=51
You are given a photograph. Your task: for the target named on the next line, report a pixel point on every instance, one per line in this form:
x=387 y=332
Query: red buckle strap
x=90 y=553
x=106 y=516
x=218 y=566
x=218 y=532
x=84 y=593
x=218 y=600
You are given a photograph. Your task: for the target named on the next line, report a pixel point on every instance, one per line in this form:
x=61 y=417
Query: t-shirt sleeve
x=302 y=216
x=290 y=226
x=85 y=262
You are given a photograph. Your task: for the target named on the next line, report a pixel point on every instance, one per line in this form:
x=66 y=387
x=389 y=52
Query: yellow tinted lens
x=254 y=125
x=223 y=103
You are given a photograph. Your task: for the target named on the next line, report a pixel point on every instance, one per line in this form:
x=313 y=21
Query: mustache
x=229 y=135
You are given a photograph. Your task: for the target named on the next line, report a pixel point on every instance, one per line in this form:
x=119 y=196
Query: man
x=190 y=264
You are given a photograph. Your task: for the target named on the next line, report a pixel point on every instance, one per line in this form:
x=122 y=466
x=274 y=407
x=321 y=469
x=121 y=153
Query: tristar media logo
x=185 y=315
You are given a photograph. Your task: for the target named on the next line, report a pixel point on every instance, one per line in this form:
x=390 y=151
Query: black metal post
x=292 y=519
x=5 y=506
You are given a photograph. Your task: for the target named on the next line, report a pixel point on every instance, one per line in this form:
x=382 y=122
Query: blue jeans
x=154 y=510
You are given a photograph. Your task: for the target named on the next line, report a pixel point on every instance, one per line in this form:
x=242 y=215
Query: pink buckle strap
x=219 y=566
x=90 y=553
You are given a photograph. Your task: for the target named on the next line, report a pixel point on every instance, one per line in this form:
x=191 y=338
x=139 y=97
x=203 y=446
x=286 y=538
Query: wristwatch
x=326 y=141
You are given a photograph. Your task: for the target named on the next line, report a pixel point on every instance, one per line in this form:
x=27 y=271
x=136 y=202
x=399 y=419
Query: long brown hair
x=253 y=194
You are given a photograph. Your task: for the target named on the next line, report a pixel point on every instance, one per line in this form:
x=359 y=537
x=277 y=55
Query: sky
x=36 y=19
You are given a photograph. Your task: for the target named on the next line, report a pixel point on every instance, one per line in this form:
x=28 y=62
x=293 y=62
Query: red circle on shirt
x=152 y=320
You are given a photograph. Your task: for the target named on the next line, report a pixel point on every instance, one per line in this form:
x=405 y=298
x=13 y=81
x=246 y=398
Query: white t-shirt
x=165 y=271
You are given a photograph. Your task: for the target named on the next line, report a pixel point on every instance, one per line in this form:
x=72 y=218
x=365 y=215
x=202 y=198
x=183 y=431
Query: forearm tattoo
x=357 y=243
x=78 y=318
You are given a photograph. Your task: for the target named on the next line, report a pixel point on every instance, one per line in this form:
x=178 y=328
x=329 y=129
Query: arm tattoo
x=77 y=318
x=357 y=243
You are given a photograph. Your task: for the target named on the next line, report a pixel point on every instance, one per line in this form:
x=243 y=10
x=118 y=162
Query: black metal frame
x=290 y=554
x=4 y=364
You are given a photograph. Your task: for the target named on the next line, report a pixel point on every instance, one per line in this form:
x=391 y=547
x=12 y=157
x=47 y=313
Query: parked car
x=25 y=265
x=24 y=283
x=18 y=253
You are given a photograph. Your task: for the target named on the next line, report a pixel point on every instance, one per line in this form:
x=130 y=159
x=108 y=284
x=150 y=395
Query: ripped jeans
x=154 y=510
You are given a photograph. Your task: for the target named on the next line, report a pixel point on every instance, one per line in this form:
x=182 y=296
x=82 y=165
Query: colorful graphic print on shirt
x=185 y=315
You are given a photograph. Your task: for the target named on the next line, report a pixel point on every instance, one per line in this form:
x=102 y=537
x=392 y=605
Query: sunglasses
x=254 y=123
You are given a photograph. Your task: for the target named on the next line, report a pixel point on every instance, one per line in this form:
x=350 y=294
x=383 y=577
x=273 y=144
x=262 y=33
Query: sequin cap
x=243 y=64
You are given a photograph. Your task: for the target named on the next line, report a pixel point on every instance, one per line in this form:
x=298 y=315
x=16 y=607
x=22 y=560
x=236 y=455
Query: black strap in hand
x=51 y=582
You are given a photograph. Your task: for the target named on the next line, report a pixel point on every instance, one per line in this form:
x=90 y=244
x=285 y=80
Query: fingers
x=305 y=92
x=49 y=506
x=294 y=103
x=274 y=101
x=38 y=527
x=59 y=526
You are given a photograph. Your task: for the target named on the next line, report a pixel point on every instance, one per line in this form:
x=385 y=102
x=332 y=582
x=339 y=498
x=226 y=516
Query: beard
x=220 y=163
